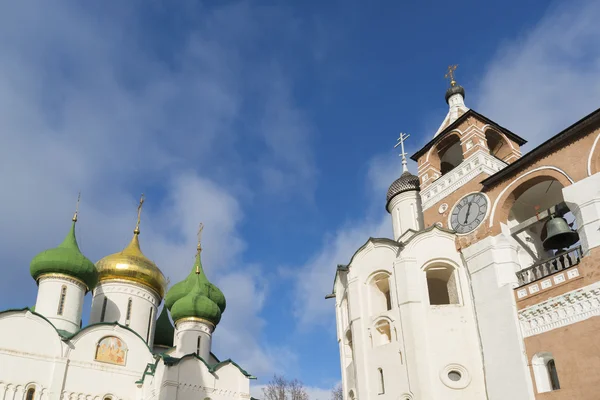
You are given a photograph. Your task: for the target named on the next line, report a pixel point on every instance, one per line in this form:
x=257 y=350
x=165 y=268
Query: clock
x=469 y=212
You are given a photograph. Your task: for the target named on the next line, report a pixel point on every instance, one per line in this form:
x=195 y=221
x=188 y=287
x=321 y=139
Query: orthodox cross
x=77 y=208
x=139 y=215
x=199 y=248
x=401 y=139
x=450 y=74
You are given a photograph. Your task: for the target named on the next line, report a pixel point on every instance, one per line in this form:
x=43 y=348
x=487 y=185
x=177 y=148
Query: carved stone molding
x=479 y=162
x=566 y=309
x=126 y=288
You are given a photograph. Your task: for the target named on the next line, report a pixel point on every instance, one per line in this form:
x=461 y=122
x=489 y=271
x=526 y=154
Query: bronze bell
x=558 y=235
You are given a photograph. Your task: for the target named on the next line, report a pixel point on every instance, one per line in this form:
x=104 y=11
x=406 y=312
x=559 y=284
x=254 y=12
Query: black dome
x=405 y=183
x=452 y=90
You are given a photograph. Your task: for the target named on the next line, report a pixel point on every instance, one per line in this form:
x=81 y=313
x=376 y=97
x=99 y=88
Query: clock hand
x=468 y=211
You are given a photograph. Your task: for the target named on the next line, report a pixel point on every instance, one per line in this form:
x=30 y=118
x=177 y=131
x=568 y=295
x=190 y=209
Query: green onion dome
x=195 y=304
x=196 y=297
x=182 y=288
x=65 y=259
x=164 y=332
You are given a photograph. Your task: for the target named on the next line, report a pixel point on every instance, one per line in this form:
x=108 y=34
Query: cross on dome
x=139 y=215
x=450 y=74
x=400 y=142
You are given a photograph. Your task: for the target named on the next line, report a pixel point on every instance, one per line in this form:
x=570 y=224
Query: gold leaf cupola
x=132 y=265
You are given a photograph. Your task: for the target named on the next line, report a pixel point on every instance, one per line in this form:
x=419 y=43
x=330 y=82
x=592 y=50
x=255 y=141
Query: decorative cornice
x=63 y=277
x=563 y=310
x=194 y=320
x=105 y=284
x=479 y=162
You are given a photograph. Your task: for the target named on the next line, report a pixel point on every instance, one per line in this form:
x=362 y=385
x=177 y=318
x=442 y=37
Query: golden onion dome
x=132 y=265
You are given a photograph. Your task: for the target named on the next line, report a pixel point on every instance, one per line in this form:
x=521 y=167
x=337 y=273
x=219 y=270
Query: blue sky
x=271 y=122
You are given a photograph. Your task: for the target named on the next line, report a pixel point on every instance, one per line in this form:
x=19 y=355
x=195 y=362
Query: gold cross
x=77 y=207
x=139 y=215
x=200 y=229
x=199 y=248
x=450 y=74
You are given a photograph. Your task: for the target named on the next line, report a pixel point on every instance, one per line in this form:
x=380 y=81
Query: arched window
x=381 y=381
x=351 y=395
x=128 y=317
x=551 y=366
x=103 y=312
x=383 y=333
x=107 y=398
x=441 y=285
x=61 y=300
x=380 y=296
x=545 y=373
x=30 y=393
x=450 y=153
x=497 y=145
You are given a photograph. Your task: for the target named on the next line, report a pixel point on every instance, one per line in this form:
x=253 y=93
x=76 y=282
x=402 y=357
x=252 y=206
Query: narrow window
x=149 y=325
x=61 y=301
x=198 y=347
x=553 y=375
x=128 y=317
x=381 y=382
x=30 y=393
x=103 y=313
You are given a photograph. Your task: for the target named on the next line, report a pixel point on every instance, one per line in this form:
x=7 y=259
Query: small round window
x=454 y=376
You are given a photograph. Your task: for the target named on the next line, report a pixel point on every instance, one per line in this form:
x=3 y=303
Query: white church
x=490 y=286
x=125 y=352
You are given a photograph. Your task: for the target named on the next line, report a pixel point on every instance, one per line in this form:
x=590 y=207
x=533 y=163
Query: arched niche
x=524 y=202
x=510 y=193
x=379 y=292
x=497 y=144
x=111 y=350
x=442 y=287
x=450 y=153
x=382 y=332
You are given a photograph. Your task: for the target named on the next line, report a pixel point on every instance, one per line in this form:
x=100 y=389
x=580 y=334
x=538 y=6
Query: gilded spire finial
x=450 y=74
x=139 y=215
x=199 y=247
x=77 y=207
x=401 y=139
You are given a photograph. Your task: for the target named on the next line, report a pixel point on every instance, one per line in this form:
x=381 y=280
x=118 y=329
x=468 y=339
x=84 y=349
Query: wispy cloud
x=547 y=78
x=89 y=102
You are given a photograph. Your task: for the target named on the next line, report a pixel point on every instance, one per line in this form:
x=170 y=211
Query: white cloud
x=315 y=278
x=87 y=104
x=535 y=86
x=546 y=79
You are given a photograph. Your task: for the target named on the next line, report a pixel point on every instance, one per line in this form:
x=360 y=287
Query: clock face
x=468 y=213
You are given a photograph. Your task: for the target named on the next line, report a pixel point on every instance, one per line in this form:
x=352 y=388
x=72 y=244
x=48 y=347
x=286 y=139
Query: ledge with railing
x=547 y=267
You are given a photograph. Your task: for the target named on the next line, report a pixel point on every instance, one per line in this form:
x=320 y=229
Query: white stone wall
x=583 y=199
x=187 y=333
x=32 y=353
x=426 y=341
x=406 y=212
x=118 y=293
x=492 y=263
x=48 y=299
